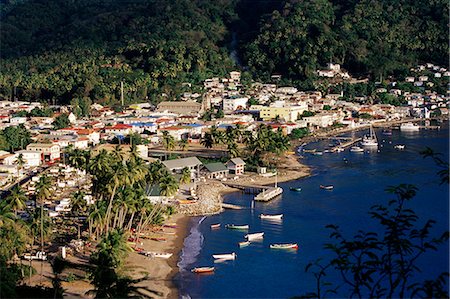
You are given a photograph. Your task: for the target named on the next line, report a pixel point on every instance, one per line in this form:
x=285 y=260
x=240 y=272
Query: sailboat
x=371 y=139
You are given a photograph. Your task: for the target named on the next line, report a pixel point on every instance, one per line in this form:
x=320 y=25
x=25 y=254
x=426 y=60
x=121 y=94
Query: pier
x=269 y=194
x=263 y=193
x=346 y=144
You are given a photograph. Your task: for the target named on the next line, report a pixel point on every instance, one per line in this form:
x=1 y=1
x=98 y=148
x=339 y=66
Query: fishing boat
x=225 y=256
x=399 y=146
x=329 y=187
x=233 y=226
x=244 y=243
x=356 y=149
x=409 y=127
x=370 y=139
x=298 y=189
x=203 y=270
x=284 y=246
x=387 y=132
x=254 y=236
x=309 y=150
x=217 y=225
x=273 y=216
x=317 y=153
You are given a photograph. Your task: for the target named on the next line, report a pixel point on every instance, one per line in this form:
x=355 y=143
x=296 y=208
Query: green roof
x=215 y=167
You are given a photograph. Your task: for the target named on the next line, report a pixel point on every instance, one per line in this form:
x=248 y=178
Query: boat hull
x=228 y=256
x=200 y=270
x=284 y=246
x=254 y=236
x=271 y=217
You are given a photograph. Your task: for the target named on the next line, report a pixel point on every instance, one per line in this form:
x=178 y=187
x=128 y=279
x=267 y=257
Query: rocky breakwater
x=209 y=199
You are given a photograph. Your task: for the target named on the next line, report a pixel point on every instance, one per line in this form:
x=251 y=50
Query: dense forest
x=65 y=50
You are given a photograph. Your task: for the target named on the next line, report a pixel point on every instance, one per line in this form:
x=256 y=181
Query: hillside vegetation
x=60 y=50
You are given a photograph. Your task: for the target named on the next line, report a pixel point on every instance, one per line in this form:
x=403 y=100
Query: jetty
x=346 y=144
x=263 y=193
x=269 y=194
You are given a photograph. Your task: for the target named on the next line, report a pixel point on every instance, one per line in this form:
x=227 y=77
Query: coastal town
x=146 y=168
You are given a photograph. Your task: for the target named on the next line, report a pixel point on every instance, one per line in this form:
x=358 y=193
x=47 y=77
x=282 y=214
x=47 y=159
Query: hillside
x=58 y=50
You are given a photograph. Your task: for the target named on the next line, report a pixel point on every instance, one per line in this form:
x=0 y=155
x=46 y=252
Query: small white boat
x=284 y=246
x=244 y=243
x=213 y=226
x=163 y=255
x=254 y=236
x=329 y=187
x=233 y=226
x=203 y=270
x=273 y=216
x=371 y=139
x=225 y=256
x=317 y=154
x=409 y=127
x=399 y=146
x=356 y=149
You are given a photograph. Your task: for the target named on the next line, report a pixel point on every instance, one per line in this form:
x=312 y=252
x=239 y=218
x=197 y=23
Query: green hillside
x=60 y=50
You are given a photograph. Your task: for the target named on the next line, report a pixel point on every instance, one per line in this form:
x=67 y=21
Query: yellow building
x=290 y=113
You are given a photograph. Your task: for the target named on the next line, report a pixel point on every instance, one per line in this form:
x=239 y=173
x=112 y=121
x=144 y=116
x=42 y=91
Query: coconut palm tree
x=168 y=141
x=168 y=185
x=233 y=150
x=43 y=192
x=6 y=215
x=16 y=199
x=78 y=202
x=207 y=140
x=185 y=176
x=118 y=154
x=183 y=144
x=20 y=161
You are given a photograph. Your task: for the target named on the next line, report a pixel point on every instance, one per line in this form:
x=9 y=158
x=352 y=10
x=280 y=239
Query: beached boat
x=217 y=225
x=186 y=201
x=370 y=139
x=298 y=189
x=399 y=146
x=225 y=256
x=356 y=149
x=328 y=187
x=233 y=226
x=163 y=255
x=254 y=236
x=273 y=216
x=284 y=246
x=244 y=243
x=409 y=127
x=203 y=270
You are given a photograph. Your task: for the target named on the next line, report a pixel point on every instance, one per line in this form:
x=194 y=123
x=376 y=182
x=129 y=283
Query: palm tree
x=185 y=176
x=168 y=141
x=217 y=136
x=78 y=202
x=20 y=161
x=168 y=185
x=43 y=192
x=233 y=150
x=16 y=199
x=117 y=153
x=207 y=140
x=183 y=144
x=6 y=215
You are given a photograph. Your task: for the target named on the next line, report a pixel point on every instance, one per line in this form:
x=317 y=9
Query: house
x=49 y=151
x=437 y=75
x=409 y=79
x=236 y=166
x=119 y=129
x=234 y=103
x=235 y=76
x=423 y=78
x=289 y=113
x=31 y=158
x=186 y=108
x=215 y=170
x=177 y=165
x=17 y=120
x=325 y=73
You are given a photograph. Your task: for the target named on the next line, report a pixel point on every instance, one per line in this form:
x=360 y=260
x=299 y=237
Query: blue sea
x=359 y=180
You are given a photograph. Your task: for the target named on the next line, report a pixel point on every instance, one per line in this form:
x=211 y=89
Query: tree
x=16 y=199
x=183 y=144
x=168 y=185
x=61 y=122
x=43 y=192
x=299 y=133
x=168 y=141
x=78 y=203
x=185 y=176
x=219 y=114
x=207 y=140
x=17 y=137
x=20 y=161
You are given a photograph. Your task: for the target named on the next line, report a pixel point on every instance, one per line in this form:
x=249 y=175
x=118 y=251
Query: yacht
x=409 y=127
x=370 y=139
x=356 y=149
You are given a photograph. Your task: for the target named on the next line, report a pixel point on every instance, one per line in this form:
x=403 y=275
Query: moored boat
x=233 y=226
x=399 y=146
x=297 y=189
x=370 y=139
x=309 y=150
x=203 y=270
x=225 y=256
x=254 y=236
x=272 y=216
x=317 y=153
x=284 y=246
x=356 y=149
x=217 y=225
x=409 y=127
x=328 y=187
x=244 y=243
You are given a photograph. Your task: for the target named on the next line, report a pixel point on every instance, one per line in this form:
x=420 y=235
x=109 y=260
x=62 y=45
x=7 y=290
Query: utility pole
x=121 y=92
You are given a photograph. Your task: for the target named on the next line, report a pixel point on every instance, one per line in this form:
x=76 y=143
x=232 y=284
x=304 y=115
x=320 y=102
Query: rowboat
x=273 y=216
x=233 y=226
x=399 y=146
x=329 y=187
x=297 y=189
x=163 y=255
x=254 y=236
x=217 y=225
x=225 y=256
x=244 y=243
x=284 y=246
x=203 y=270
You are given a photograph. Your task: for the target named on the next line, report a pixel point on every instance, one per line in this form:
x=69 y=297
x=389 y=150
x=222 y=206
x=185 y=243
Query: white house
x=232 y=104
x=119 y=129
x=17 y=120
x=409 y=79
x=49 y=151
x=423 y=78
x=31 y=158
x=236 y=166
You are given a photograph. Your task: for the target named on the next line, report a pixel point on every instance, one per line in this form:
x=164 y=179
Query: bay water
x=359 y=181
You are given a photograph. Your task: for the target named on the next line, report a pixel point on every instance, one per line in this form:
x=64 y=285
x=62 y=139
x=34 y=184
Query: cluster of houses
x=278 y=106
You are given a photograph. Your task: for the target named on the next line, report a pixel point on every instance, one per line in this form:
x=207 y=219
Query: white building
x=233 y=104
x=17 y=120
x=31 y=158
x=49 y=151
